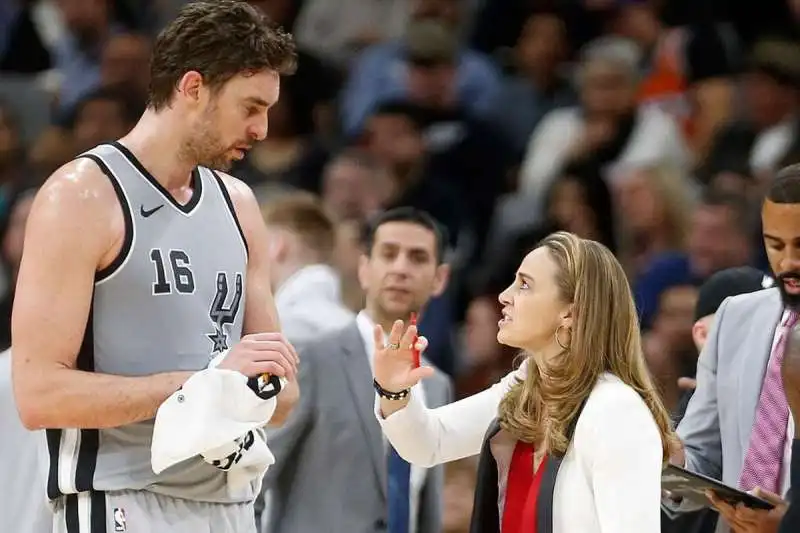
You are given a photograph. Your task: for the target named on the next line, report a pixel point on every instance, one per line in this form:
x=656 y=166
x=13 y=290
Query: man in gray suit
x=737 y=426
x=716 y=289
x=333 y=471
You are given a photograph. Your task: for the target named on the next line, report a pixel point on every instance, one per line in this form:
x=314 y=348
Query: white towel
x=215 y=415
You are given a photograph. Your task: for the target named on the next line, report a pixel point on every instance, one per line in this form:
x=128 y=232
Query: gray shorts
x=147 y=512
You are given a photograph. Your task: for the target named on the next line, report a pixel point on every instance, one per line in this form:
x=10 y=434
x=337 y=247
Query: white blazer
x=610 y=478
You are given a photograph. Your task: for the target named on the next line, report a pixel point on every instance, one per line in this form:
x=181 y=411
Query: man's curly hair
x=219 y=39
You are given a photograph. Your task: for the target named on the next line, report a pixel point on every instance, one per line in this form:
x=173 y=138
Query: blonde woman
x=575 y=439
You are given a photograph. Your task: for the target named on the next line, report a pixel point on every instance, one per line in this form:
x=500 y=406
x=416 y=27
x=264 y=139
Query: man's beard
x=206 y=148
x=216 y=162
x=207 y=151
x=790 y=301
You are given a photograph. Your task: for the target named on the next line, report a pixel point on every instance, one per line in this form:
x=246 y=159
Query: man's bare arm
x=260 y=314
x=75 y=226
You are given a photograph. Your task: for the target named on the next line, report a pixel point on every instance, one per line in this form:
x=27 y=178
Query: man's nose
x=259 y=129
x=400 y=265
x=790 y=262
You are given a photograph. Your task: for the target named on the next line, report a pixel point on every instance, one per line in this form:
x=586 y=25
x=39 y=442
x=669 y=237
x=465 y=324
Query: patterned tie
x=399 y=477
x=764 y=458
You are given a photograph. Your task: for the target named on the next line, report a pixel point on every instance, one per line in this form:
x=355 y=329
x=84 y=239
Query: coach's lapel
x=760 y=333
x=359 y=379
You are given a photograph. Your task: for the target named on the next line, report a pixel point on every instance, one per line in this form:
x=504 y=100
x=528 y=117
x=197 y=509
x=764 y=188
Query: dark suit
x=791 y=521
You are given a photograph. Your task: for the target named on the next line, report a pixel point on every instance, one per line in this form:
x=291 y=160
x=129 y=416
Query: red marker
x=415 y=350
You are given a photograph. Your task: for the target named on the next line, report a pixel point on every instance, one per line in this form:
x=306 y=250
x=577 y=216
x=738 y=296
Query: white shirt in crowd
x=771 y=145
x=309 y=304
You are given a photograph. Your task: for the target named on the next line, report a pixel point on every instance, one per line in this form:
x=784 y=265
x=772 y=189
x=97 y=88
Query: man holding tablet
x=737 y=427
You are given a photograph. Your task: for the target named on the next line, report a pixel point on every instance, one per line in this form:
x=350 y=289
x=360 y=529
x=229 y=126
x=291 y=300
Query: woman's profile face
x=533 y=307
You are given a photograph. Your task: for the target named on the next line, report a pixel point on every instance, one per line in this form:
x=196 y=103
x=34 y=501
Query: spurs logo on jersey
x=221 y=315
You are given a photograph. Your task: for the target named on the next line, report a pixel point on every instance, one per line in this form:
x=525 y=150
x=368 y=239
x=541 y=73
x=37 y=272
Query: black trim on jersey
x=53 y=447
x=89 y=447
x=127 y=242
x=71 y=514
x=89 y=439
x=227 y=197
x=197 y=182
x=97 y=513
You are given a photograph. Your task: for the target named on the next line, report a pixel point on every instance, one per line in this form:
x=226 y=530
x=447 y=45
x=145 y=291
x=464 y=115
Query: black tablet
x=681 y=483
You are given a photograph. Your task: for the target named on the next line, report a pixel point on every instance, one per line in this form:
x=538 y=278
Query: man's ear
x=190 y=87
x=441 y=279
x=700 y=334
x=363 y=272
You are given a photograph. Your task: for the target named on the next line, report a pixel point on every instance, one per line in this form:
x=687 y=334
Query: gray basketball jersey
x=173 y=299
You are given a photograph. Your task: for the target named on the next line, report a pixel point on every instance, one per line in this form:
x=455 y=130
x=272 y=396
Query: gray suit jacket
x=719 y=418
x=330 y=461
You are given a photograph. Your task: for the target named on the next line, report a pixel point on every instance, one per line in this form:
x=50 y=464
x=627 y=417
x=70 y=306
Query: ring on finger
x=394 y=345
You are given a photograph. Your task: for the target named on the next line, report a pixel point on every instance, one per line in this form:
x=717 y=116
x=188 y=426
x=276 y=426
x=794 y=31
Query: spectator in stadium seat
x=307 y=289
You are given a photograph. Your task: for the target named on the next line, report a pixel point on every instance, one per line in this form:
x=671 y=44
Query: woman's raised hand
x=395 y=369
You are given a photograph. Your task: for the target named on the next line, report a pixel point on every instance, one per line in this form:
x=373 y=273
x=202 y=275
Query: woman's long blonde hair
x=604 y=337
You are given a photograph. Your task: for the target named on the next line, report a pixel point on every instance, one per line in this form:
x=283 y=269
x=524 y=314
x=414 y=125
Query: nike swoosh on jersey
x=147 y=212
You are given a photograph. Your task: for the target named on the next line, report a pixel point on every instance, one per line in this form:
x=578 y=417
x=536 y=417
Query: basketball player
x=141 y=263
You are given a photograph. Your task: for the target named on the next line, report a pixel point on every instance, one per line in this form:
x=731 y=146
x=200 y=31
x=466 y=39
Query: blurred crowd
x=652 y=126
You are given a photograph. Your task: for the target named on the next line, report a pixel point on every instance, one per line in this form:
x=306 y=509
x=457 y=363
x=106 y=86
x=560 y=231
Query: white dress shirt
x=309 y=304
x=610 y=477
x=366 y=327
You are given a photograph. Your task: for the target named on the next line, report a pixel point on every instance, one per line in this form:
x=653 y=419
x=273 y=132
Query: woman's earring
x=558 y=337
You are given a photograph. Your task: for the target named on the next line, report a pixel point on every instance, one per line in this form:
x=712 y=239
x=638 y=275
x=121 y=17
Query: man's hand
x=727 y=512
x=263 y=353
x=762 y=521
x=744 y=519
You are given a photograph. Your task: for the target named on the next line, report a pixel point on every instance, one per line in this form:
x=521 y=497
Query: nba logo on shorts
x=120 y=523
